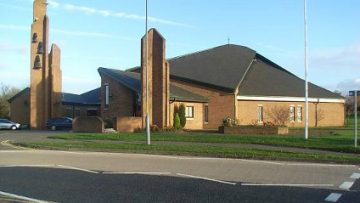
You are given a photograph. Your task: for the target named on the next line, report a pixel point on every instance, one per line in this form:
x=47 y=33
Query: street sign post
x=355 y=94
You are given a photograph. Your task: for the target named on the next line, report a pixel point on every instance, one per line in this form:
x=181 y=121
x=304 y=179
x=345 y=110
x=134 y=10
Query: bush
x=154 y=128
x=229 y=122
x=177 y=125
x=182 y=115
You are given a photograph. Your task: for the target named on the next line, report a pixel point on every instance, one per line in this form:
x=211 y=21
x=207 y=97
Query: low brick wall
x=127 y=124
x=88 y=124
x=254 y=130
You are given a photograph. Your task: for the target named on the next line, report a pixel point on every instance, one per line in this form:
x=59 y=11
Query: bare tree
x=279 y=115
x=6 y=92
x=319 y=116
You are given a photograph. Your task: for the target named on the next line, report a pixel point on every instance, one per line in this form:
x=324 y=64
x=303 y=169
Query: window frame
x=192 y=112
x=260 y=114
x=106 y=96
x=206 y=113
x=292 y=115
x=299 y=119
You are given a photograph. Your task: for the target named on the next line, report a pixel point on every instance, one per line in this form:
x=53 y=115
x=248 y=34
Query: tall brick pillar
x=158 y=80
x=44 y=70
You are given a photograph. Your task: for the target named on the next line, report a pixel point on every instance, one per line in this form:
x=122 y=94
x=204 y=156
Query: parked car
x=63 y=123
x=9 y=125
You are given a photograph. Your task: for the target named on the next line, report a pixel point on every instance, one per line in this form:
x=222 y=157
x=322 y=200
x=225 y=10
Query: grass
x=198 y=150
x=341 y=141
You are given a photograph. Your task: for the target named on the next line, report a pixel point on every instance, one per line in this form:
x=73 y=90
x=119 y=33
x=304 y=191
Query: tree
x=182 y=115
x=6 y=92
x=177 y=125
x=279 y=115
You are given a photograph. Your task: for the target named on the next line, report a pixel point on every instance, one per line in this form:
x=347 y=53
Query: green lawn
x=197 y=150
x=339 y=141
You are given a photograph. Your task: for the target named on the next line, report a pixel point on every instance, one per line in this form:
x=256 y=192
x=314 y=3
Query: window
x=107 y=95
x=206 y=114
x=260 y=114
x=299 y=114
x=189 y=112
x=69 y=112
x=292 y=113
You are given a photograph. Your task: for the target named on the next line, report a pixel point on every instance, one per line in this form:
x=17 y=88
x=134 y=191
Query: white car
x=9 y=125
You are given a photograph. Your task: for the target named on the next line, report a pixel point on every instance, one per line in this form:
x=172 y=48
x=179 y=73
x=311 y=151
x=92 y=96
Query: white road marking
x=78 y=169
x=204 y=178
x=346 y=185
x=139 y=172
x=288 y=185
x=355 y=176
x=22 y=197
x=6 y=143
x=320 y=164
x=333 y=197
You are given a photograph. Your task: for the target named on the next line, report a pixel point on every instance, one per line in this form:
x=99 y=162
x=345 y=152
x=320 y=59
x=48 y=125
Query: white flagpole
x=306 y=75
x=146 y=70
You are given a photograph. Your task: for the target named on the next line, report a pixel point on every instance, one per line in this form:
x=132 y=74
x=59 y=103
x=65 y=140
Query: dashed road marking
x=19 y=197
x=346 y=185
x=137 y=172
x=78 y=169
x=333 y=197
x=205 y=178
x=287 y=185
x=355 y=176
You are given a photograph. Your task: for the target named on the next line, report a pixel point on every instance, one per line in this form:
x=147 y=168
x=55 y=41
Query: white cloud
x=349 y=84
x=53 y=4
x=5 y=48
x=89 y=34
x=105 y=13
x=84 y=9
x=14 y=27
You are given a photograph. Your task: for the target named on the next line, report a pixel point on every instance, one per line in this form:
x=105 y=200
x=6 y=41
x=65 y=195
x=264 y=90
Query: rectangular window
x=299 y=114
x=189 y=112
x=107 y=96
x=206 y=112
x=292 y=113
x=77 y=112
x=69 y=112
x=260 y=114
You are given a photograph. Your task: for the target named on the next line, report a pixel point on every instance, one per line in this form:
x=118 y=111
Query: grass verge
x=342 y=141
x=192 y=150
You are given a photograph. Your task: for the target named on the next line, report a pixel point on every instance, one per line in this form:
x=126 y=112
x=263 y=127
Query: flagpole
x=306 y=75
x=146 y=76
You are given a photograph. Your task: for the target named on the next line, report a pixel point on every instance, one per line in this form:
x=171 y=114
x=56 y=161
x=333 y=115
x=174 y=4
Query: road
x=115 y=177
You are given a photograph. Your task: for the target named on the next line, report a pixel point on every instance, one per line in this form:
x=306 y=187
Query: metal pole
x=355 y=111
x=146 y=70
x=306 y=76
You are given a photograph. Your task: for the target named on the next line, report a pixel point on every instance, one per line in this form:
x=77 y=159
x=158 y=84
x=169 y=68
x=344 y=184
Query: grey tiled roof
x=225 y=66
x=133 y=82
x=88 y=98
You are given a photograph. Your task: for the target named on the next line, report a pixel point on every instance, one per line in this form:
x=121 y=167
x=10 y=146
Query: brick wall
x=127 y=124
x=121 y=103
x=221 y=104
x=191 y=123
x=332 y=113
x=88 y=124
x=20 y=109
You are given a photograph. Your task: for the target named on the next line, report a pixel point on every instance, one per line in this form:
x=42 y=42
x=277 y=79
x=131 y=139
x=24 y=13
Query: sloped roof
x=267 y=79
x=88 y=98
x=133 y=82
x=26 y=90
x=225 y=66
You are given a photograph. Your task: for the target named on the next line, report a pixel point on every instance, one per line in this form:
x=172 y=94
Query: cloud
x=349 y=84
x=5 y=48
x=67 y=32
x=107 y=13
x=337 y=58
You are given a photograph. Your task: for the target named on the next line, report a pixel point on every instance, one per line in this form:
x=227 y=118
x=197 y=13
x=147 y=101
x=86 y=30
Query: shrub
x=228 y=122
x=154 y=128
x=168 y=129
x=279 y=115
x=182 y=115
x=177 y=121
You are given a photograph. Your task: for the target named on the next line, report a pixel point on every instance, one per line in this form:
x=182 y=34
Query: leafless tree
x=279 y=115
x=6 y=92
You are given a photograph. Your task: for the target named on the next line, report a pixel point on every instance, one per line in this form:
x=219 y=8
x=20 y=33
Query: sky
x=107 y=33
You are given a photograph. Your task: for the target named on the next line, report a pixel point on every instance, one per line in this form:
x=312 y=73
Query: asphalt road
x=119 y=177
x=62 y=185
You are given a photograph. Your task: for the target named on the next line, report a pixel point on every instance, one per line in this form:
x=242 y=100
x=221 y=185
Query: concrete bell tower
x=158 y=80
x=42 y=85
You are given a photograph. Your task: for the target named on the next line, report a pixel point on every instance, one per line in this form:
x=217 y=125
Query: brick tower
x=158 y=80
x=45 y=76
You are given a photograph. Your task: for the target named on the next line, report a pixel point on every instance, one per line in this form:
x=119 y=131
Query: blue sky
x=107 y=33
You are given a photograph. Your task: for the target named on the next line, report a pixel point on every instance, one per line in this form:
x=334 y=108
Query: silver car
x=6 y=124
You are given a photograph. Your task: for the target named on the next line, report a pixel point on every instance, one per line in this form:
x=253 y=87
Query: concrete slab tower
x=45 y=82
